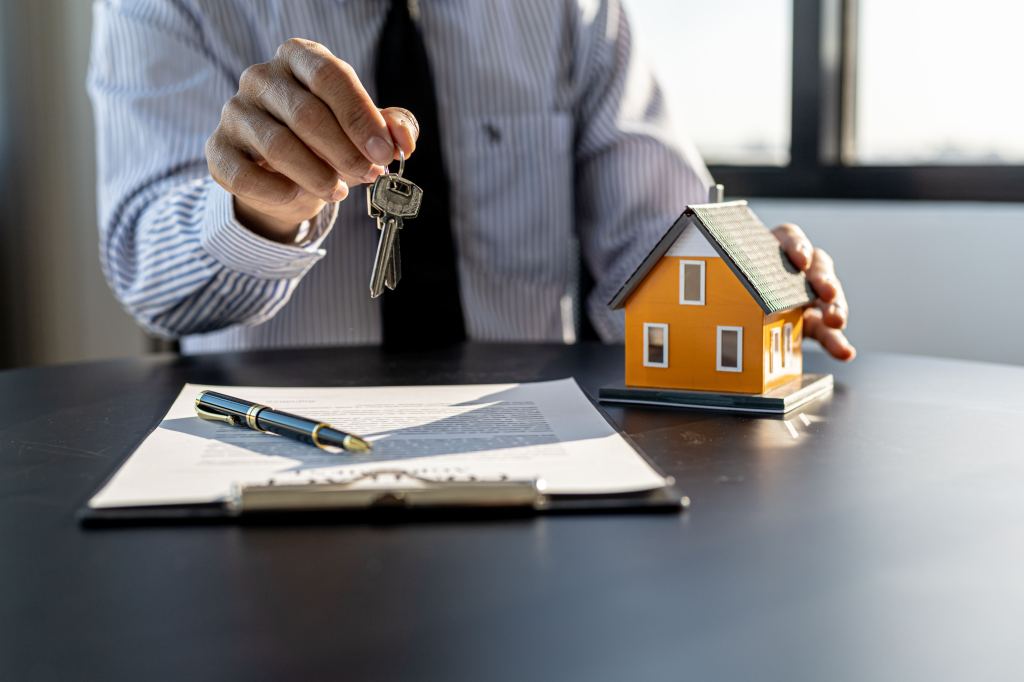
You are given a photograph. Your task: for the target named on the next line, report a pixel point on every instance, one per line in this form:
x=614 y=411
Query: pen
x=213 y=406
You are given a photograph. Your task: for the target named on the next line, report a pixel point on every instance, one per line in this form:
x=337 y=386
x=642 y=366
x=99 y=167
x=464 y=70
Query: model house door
x=775 y=353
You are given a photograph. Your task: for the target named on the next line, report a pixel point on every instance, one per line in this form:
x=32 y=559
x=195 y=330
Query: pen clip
x=209 y=416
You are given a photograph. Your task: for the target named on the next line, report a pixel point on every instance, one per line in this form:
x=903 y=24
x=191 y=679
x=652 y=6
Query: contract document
x=543 y=430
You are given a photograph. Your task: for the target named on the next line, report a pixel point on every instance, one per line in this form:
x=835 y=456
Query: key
x=390 y=200
x=383 y=263
x=393 y=195
x=392 y=264
x=396 y=196
x=390 y=275
x=380 y=265
x=394 y=270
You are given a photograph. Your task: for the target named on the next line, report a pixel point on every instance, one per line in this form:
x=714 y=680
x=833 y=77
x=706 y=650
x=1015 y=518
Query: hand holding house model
x=714 y=317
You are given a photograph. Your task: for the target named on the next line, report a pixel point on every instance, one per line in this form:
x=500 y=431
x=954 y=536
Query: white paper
x=546 y=430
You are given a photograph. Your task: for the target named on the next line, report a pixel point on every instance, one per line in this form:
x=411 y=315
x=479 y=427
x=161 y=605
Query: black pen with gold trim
x=213 y=406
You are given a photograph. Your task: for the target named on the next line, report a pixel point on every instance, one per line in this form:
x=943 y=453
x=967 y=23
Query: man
x=230 y=155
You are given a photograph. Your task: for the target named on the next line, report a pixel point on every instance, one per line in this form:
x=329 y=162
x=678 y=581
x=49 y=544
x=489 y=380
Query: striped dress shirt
x=554 y=133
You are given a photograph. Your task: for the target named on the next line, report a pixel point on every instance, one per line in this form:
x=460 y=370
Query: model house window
x=691 y=282
x=730 y=349
x=655 y=344
x=787 y=344
x=775 y=352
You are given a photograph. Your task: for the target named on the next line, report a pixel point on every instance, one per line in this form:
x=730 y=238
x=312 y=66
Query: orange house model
x=715 y=306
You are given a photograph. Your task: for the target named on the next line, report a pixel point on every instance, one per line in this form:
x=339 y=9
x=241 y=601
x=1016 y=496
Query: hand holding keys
x=390 y=200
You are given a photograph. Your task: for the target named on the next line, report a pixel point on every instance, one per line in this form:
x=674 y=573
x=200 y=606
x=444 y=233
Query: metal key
x=382 y=220
x=393 y=267
x=390 y=200
x=394 y=197
x=384 y=271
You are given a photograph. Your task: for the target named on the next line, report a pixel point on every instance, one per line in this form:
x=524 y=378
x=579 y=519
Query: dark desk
x=879 y=537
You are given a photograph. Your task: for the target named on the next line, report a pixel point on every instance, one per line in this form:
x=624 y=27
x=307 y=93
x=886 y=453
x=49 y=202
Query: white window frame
x=787 y=345
x=682 y=281
x=739 y=349
x=664 y=327
x=776 y=362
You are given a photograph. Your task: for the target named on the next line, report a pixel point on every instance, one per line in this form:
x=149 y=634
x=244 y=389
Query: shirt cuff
x=239 y=249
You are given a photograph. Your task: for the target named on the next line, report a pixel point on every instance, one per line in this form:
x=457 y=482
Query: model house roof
x=745 y=244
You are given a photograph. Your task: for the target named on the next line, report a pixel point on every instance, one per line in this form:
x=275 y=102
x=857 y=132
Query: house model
x=715 y=306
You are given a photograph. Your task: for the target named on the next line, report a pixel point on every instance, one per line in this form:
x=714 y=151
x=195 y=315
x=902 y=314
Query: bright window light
x=724 y=66
x=939 y=82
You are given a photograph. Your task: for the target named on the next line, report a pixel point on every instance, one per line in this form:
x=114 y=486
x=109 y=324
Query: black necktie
x=425 y=309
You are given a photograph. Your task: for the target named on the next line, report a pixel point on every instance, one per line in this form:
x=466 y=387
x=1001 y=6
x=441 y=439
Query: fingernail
x=380 y=150
x=411 y=126
x=340 y=191
x=805 y=252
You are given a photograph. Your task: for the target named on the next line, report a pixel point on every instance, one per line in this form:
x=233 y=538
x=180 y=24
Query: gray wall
x=939 y=279
x=933 y=278
x=57 y=307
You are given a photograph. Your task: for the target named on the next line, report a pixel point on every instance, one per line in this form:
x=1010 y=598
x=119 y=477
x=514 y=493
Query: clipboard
x=405 y=498
x=391 y=493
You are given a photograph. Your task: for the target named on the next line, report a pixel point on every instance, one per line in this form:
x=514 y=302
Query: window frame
x=682 y=281
x=824 y=56
x=775 y=340
x=787 y=345
x=664 y=327
x=738 y=369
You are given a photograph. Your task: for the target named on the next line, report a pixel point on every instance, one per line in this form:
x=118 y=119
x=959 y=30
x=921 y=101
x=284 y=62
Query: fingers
x=834 y=314
x=266 y=202
x=255 y=131
x=831 y=297
x=832 y=340
x=338 y=86
x=404 y=129
x=830 y=313
x=821 y=274
x=300 y=130
x=820 y=271
x=303 y=126
x=314 y=124
x=796 y=245
x=243 y=177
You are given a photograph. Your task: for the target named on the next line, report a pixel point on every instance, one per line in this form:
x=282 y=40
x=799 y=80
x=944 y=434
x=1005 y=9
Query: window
x=730 y=349
x=940 y=93
x=848 y=99
x=775 y=362
x=691 y=282
x=691 y=44
x=787 y=342
x=655 y=344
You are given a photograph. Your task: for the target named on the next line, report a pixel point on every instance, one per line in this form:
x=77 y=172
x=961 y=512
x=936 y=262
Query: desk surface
x=878 y=536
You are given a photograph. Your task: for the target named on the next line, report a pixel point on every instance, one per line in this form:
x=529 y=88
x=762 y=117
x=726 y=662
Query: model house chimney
x=716 y=194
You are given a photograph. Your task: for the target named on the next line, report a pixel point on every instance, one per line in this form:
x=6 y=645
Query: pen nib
x=356 y=444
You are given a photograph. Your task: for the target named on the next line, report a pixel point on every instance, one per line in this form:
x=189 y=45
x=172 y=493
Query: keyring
x=401 y=164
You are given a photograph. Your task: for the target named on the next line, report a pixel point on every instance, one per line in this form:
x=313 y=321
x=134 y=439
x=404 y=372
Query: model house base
x=790 y=396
